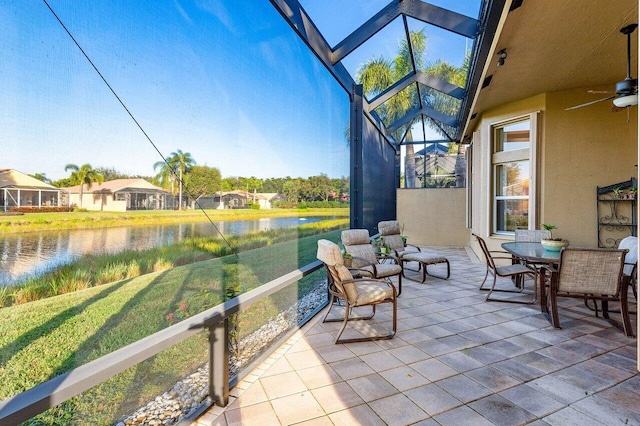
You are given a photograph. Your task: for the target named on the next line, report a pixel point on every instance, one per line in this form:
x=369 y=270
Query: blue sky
x=227 y=81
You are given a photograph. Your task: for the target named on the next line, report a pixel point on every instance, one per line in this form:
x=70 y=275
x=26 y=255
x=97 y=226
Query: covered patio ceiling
x=557 y=45
x=434 y=102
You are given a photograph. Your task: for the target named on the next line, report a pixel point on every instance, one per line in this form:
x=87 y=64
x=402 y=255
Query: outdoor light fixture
x=502 y=55
x=625 y=101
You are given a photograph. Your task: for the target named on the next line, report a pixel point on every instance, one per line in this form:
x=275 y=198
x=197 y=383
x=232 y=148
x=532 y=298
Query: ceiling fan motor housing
x=627 y=86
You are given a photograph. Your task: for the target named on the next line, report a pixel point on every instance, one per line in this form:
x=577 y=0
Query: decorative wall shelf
x=616 y=212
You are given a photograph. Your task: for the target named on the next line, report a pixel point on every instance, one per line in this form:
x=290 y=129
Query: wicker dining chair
x=355 y=293
x=513 y=270
x=591 y=274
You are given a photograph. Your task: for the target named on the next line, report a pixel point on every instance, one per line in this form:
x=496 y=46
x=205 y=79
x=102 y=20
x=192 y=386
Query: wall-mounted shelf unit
x=616 y=212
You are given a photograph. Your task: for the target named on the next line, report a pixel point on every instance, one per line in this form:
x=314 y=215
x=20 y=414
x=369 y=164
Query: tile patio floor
x=456 y=360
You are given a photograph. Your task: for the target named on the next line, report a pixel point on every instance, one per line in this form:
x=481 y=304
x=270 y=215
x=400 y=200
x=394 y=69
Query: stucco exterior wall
x=433 y=216
x=98 y=203
x=578 y=150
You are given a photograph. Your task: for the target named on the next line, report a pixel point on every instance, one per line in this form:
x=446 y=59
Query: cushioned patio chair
x=390 y=231
x=591 y=274
x=365 y=261
x=354 y=292
x=514 y=270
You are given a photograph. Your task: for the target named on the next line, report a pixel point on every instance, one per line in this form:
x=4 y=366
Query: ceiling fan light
x=625 y=101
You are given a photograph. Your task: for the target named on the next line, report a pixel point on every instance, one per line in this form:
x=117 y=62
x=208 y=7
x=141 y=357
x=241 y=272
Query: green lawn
x=45 y=338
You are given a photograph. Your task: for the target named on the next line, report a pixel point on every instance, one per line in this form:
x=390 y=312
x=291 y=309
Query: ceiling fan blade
x=599 y=92
x=591 y=103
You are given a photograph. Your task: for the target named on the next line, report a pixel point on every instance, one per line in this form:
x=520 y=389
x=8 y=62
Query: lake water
x=30 y=253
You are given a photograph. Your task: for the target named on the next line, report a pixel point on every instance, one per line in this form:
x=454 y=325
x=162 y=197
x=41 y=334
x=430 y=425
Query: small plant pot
x=554 y=245
x=348 y=262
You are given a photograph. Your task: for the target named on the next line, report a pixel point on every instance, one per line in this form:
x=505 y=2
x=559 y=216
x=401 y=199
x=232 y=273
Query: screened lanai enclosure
x=278 y=91
x=403 y=98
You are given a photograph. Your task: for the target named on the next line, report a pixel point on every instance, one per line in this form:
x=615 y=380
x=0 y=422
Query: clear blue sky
x=227 y=81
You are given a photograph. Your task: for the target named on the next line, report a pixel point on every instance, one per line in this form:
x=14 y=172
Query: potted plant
x=377 y=244
x=347 y=259
x=617 y=193
x=551 y=243
x=384 y=247
x=404 y=237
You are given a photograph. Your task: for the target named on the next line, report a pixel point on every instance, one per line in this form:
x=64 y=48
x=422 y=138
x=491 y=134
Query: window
x=513 y=161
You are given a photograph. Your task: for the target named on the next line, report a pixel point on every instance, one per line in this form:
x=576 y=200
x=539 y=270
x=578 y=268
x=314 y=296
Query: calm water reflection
x=31 y=253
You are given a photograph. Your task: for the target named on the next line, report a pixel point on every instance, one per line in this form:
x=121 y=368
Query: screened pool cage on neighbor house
x=402 y=128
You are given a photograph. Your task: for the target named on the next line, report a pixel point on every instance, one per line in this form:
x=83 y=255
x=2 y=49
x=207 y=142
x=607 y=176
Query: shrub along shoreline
x=35 y=222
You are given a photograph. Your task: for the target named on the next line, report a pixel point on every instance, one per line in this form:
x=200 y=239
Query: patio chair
x=514 y=270
x=355 y=292
x=531 y=235
x=390 y=231
x=357 y=243
x=630 y=270
x=591 y=274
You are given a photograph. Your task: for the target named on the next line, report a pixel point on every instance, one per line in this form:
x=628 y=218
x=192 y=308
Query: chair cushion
x=351 y=237
x=423 y=257
x=389 y=227
x=384 y=270
x=394 y=242
x=363 y=251
x=369 y=292
x=329 y=253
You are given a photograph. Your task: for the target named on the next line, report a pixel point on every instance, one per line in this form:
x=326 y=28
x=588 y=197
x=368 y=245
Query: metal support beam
x=355 y=143
x=417 y=9
x=420 y=77
x=219 y=363
x=298 y=19
x=415 y=112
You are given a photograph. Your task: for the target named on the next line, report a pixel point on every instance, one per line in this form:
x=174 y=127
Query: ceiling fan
x=626 y=90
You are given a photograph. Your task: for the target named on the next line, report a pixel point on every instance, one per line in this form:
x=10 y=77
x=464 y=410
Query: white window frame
x=504 y=157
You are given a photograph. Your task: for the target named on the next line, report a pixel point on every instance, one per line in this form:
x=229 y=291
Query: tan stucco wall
x=583 y=149
x=578 y=150
x=434 y=217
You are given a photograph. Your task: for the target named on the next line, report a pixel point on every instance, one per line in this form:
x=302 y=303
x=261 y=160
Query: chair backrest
x=487 y=255
x=356 y=242
x=329 y=253
x=631 y=259
x=390 y=231
x=531 y=235
x=591 y=271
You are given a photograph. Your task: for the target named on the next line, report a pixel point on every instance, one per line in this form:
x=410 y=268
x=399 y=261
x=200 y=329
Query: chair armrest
x=414 y=246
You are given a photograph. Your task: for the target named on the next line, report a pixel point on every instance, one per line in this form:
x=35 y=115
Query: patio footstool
x=425 y=259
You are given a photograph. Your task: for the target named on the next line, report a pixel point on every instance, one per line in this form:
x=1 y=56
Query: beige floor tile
x=278 y=367
x=297 y=408
x=398 y=410
x=255 y=394
x=322 y=375
x=282 y=385
x=381 y=361
x=404 y=378
x=336 y=397
x=253 y=415
x=304 y=359
x=372 y=387
x=356 y=416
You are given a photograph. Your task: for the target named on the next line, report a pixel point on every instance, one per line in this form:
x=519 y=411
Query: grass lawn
x=78 y=220
x=42 y=339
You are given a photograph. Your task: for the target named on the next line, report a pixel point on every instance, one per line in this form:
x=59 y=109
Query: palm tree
x=377 y=74
x=83 y=175
x=176 y=163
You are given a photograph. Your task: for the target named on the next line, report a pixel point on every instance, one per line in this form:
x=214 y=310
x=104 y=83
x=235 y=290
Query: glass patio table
x=534 y=253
